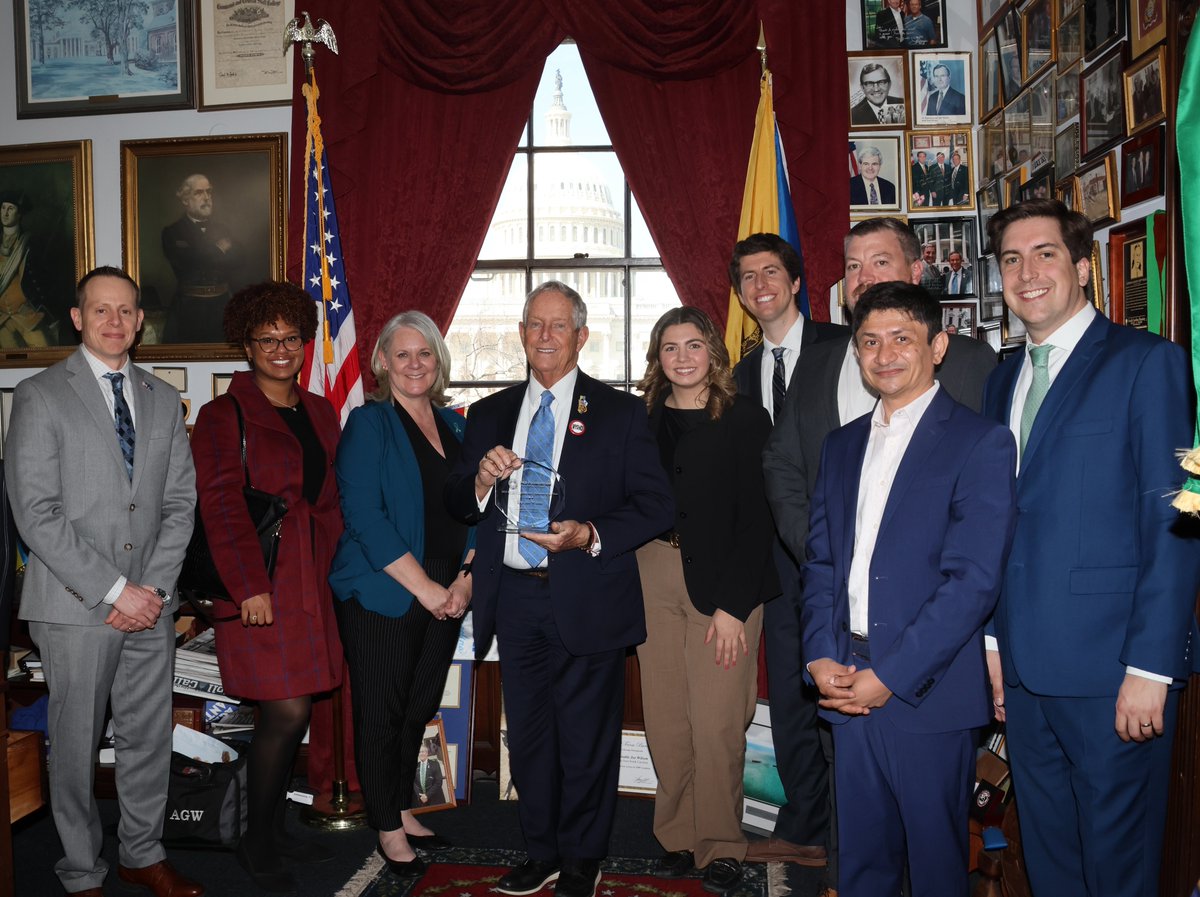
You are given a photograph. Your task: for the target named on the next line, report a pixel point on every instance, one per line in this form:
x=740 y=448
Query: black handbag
x=199 y=580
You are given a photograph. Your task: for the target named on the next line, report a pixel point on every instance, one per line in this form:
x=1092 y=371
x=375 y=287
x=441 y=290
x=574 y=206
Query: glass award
x=530 y=498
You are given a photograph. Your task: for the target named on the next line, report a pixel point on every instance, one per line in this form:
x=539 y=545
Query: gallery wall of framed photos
x=100 y=166
x=996 y=101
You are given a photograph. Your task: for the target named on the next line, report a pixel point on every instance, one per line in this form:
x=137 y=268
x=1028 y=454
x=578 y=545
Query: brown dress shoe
x=777 y=850
x=162 y=880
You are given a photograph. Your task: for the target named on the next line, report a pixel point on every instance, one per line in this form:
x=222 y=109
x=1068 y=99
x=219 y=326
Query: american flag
x=853 y=160
x=331 y=360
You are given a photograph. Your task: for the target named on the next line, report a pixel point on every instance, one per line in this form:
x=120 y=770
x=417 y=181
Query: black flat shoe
x=722 y=875
x=675 y=864
x=276 y=881
x=413 y=868
x=428 y=842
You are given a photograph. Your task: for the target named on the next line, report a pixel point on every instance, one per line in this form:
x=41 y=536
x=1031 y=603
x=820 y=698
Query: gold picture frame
x=50 y=187
x=170 y=254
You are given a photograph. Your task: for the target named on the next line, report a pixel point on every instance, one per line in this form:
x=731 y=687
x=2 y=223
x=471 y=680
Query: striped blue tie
x=122 y=419
x=535 y=496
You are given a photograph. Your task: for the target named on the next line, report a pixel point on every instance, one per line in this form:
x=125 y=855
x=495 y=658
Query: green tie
x=1040 y=355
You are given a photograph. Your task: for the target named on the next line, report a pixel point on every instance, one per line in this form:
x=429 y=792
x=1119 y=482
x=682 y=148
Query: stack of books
x=22 y=661
x=196 y=671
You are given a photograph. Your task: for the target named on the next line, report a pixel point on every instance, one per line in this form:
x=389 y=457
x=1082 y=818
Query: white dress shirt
x=791 y=354
x=854 y=397
x=564 y=394
x=1062 y=342
x=885 y=450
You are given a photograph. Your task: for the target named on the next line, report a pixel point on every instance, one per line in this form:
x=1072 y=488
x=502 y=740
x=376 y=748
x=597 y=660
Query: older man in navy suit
x=1094 y=626
x=564 y=604
x=912 y=516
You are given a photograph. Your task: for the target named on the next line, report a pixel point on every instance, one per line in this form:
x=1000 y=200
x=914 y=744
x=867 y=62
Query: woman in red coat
x=279 y=646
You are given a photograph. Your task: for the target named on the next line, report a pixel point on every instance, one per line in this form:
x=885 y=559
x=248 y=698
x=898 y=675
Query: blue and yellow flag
x=766 y=208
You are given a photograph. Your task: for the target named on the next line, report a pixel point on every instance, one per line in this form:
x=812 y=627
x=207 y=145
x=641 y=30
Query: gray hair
x=578 y=309
x=868 y=151
x=423 y=324
x=185 y=188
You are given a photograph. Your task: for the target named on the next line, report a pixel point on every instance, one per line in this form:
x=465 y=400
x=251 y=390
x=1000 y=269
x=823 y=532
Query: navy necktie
x=123 y=420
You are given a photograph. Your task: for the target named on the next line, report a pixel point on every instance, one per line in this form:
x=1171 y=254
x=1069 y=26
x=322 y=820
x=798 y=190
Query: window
x=565 y=180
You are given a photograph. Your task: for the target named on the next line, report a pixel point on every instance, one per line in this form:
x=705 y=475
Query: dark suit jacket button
x=687 y=560
x=679 y=470
x=129 y=546
x=845 y=627
x=132 y=507
x=683 y=515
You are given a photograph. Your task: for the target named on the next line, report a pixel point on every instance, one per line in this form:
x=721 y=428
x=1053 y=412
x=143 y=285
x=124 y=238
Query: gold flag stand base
x=337 y=811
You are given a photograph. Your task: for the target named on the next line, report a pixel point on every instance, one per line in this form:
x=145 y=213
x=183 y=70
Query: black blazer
x=724 y=524
x=747 y=372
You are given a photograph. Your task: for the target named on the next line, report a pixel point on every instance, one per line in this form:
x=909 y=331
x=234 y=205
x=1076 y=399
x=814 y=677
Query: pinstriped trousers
x=398 y=668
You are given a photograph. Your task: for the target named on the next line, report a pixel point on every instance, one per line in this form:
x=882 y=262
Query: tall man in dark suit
x=911 y=519
x=1094 y=619
x=827 y=391
x=959 y=184
x=767 y=273
x=563 y=605
x=103 y=493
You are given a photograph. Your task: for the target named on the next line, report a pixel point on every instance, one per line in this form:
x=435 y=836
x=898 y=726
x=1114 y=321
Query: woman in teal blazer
x=402 y=572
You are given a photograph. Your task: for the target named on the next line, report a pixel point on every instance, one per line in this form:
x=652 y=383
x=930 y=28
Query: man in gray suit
x=827 y=391
x=103 y=492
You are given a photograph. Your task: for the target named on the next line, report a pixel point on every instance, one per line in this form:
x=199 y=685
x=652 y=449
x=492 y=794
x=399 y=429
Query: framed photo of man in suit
x=941 y=89
x=433 y=784
x=878 y=91
x=46 y=245
x=201 y=218
x=876 y=184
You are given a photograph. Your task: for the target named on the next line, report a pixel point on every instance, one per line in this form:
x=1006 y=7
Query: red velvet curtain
x=424 y=106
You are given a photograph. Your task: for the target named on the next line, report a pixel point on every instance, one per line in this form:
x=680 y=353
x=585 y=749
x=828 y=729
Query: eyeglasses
x=268 y=343
x=883 y=83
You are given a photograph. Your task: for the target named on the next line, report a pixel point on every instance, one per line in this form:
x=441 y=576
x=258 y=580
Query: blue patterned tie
x=535 y=497
x=123 y=419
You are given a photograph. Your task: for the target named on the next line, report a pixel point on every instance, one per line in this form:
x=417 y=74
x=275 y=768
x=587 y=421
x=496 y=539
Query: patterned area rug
x=472 y=872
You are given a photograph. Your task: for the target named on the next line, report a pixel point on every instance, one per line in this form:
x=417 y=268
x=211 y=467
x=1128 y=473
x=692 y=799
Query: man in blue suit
x=1094 y=619
x=911 y=520
x=565 y=604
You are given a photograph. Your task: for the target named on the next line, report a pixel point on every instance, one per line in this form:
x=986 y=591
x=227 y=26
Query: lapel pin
x=581 y=408
x=577 y=428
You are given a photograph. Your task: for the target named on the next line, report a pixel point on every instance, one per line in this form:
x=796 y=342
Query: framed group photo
x=73 y=60
x=1142 y=167
x=949 y=254
x=903 y=24
x=941 y=89
x=878 y=91
x=878 y=186
x=48 y=244
x=940 y=174
x=1102 y=104
x=201 y=218
x=1146 y=92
